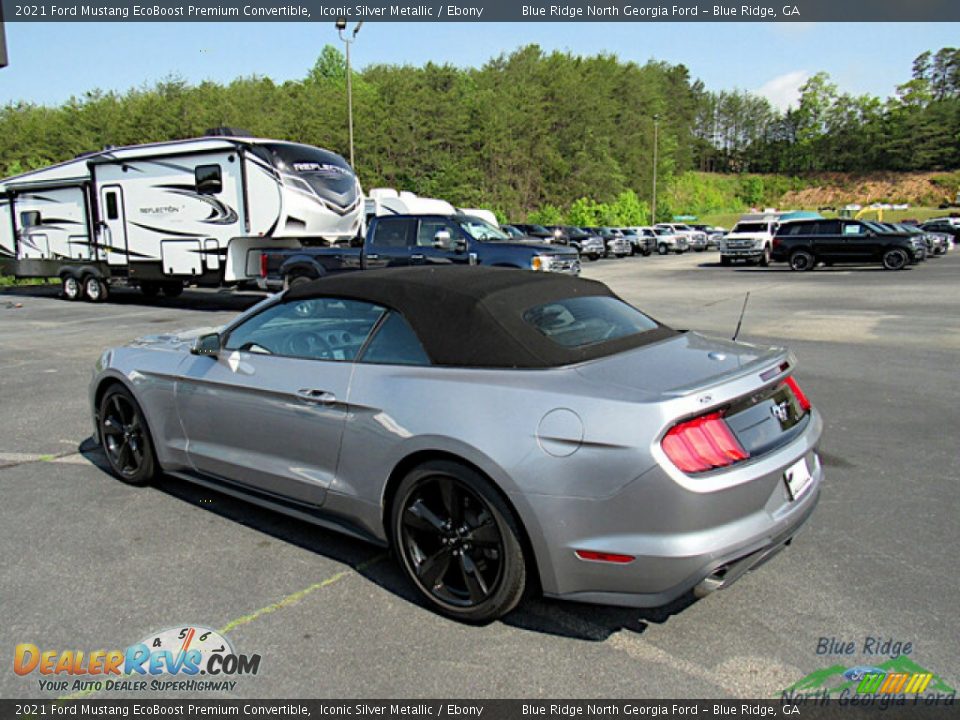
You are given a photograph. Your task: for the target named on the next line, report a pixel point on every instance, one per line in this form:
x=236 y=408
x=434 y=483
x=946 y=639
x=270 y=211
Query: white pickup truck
x=750 y=240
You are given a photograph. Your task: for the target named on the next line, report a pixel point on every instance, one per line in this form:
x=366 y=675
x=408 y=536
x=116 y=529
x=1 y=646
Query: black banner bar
x=484 y=11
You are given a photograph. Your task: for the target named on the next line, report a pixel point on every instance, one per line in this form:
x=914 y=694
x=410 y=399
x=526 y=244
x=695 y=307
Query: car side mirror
x=207 y=345
x=444 y=241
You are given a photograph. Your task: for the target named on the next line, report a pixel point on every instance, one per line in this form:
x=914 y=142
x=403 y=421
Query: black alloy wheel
x=458 y=543
x=895 y=259
x=125 y=437
x=801 y=261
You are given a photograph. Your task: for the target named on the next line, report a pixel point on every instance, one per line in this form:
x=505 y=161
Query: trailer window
x=29 y=218
x=209 y=179
x=113 y=211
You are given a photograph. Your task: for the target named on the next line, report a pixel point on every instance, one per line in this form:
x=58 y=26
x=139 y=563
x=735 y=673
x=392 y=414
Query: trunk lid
x=682 y=364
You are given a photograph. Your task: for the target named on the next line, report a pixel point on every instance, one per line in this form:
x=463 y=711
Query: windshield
x=662 y=231
x=581 y=321
x=481 y=230
x=751 y=228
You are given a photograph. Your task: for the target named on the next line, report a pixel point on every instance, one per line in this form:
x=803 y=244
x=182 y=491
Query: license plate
x=797 y=478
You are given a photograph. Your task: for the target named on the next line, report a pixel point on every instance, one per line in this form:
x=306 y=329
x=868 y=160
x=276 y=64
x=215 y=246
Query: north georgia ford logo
x=186 y=651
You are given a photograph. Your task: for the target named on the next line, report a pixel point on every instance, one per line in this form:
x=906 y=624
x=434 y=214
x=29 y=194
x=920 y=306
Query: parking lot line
x=290 y=599
x=297 y=596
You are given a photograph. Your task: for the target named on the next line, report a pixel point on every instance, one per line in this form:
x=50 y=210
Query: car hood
x=533 y=244
x=681 y=364
x=181 y=340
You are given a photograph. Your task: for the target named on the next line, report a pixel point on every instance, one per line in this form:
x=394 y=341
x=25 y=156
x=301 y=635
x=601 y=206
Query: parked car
x=614 y=241
x=499 y=430
x=951 y=230
x=937 y=243
x=640 y=244
x=587 y=244
x=530 y=230
x=696 y=239
x=750 y=241
x=714 y=234
x=804 y=243
x=668 y=241
x=921 y=243
x=400 y=240
x=647 y=237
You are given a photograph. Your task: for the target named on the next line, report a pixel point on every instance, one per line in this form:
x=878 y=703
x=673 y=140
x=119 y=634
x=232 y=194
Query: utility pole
x=656 y=145
x=3 y=40
x=341 y=25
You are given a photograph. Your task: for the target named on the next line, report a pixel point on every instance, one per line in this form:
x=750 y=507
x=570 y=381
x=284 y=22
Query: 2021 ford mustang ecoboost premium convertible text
x=500 y=429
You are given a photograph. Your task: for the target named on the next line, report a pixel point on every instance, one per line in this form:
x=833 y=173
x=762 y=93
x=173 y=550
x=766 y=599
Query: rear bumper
x=681 y=540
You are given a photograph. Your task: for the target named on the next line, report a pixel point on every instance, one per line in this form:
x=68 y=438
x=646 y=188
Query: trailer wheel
x=94 y=288
x=71 y=288
x=150 y=289
x=172 y=289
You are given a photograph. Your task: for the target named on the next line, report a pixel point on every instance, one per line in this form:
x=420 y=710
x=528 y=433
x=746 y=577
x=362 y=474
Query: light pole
x=347 y=42
x=656 y=144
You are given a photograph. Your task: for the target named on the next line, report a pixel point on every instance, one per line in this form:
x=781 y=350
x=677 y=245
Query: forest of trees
x=553 y=133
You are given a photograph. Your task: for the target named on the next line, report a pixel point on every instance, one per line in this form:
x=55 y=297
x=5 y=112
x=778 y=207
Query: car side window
x=828 y=227
x=854 y=229
x=312 y=329
x=392 y=233
x=395 y=343
x=429 y=229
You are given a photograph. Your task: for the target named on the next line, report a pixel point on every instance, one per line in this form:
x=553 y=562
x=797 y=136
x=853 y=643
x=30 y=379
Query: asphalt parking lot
x=91 y=563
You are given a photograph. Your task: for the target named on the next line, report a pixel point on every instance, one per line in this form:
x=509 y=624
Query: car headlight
x=541 y=262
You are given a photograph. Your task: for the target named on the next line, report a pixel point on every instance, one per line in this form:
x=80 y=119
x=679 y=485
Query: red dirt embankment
x=838 y=189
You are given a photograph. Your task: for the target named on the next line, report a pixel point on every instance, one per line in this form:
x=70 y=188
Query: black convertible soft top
x=469 y=316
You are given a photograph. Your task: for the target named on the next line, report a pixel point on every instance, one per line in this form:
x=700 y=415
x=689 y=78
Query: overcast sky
x=49 y=62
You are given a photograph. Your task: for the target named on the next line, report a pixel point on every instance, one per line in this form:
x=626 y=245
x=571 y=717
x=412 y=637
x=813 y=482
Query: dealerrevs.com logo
x=170 y=660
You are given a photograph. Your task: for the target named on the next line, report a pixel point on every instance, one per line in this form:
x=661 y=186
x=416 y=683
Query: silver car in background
x=499 y=429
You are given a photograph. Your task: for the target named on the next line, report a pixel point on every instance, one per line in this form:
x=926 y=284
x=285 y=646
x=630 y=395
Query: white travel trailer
x=163 y=215
x=387 y=201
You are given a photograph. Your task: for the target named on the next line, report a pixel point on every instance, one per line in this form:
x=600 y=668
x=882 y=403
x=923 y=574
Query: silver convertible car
x=501 y=430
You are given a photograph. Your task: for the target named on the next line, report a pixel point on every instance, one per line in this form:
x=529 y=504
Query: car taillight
x=703 y=443
x=777 y=242
x=263 y=265
x=798 y=393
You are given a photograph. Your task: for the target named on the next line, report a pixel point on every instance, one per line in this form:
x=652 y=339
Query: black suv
x=804 y=243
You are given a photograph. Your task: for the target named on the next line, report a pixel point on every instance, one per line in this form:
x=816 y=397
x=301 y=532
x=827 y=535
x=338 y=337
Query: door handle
x=320 y=397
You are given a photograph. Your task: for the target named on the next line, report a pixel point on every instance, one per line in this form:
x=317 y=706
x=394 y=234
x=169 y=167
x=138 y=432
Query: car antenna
x=743 y=311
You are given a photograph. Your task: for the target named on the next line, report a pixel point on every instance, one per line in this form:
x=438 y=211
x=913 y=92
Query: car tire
x=725 y=261
x=663 y=249
x=895 y=259
x=295 y=280
x=71 y=288
x=172 y=289
x=458 y=542
x=94 y=289
x=765 y=258
x=801 y=261
x=647 y=253
x=125 y=437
